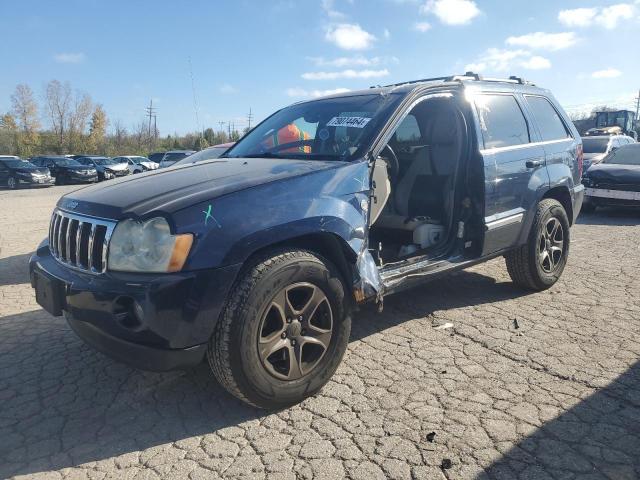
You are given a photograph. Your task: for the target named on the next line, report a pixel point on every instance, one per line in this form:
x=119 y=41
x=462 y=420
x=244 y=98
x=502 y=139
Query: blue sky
x=263 y=55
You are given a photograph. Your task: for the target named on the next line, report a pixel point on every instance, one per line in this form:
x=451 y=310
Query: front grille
x=80 y=242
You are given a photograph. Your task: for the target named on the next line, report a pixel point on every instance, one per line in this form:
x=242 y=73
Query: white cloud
x=497 y=60
x=386 y=33
x=452 y=12
x=349 y=37
x=607 y=17
x=345 y=74
x=302 y=93
x=577 y=17
x=327 y=6
x=422 y=26
x=341 y=62
x=69 y=57
x=228 y=89
x=536 y=63
x=606 y=73
x=610 y=16
x=544 y=41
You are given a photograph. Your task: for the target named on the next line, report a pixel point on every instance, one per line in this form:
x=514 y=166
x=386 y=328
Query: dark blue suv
x=258 y=259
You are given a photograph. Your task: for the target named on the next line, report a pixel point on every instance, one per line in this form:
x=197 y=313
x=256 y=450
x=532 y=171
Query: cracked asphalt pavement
x=521 y=386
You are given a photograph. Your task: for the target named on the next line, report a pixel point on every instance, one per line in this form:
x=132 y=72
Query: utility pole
x=229 y=125
x=151 y=113
x=249 y=118
x=638 y=107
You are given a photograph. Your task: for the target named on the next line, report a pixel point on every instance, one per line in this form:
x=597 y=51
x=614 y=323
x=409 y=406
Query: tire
x=251 y=319
x=528 y=266
x=12 y=183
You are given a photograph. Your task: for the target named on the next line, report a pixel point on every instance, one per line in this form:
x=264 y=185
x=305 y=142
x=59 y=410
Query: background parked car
x=208 y=153
x=66 y=170
x=173 y=156
x=615 y=181
x=597 y=147
x=156 y=157
x=14 y=171
x=107 y=168
x=137 y=164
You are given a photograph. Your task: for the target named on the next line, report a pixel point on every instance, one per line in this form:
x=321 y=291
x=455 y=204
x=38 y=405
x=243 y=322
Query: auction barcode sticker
x=355 y=122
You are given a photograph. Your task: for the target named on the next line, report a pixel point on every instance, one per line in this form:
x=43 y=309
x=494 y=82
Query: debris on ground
x=446 y=464
x=444 y=326
x=516 y=325
x=431 y=437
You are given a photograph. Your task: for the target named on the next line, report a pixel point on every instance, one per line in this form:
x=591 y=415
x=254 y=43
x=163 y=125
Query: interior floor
x=415 y=208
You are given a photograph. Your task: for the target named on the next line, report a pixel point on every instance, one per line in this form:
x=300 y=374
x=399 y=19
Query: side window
x=501 y=121
x=2 y=167
x=549 y=122
x=408 y=130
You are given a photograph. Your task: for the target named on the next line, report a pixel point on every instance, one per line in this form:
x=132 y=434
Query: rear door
x=4 y=173
x=511 y=144
x=561 y=148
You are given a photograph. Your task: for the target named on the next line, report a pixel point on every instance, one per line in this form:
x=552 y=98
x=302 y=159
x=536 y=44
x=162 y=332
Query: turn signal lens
x=180 y=252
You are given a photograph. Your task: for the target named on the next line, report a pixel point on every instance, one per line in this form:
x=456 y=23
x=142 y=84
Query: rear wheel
x=538 y=264
x=284 y=330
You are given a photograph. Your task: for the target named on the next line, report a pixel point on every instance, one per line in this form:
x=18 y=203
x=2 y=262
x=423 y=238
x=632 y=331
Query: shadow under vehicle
x=259 y=258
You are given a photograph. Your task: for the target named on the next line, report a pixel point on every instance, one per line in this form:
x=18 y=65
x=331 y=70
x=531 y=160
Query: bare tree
x=58 y=104
x=78 y=119
x=119 y=135
x=25 y=111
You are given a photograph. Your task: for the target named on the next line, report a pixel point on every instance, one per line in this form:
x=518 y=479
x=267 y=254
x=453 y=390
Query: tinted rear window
x=594 y=145
x=501 y=121
x=549 y=122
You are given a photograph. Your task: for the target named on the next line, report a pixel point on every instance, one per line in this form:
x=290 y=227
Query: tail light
x=580 y=153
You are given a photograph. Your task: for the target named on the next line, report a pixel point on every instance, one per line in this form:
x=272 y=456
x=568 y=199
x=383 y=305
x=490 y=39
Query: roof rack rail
x=459 y=78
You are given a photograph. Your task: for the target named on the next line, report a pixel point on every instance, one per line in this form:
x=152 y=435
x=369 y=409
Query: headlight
x=147 y=247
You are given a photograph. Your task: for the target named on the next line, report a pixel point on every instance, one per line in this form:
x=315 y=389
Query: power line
x=249 y=118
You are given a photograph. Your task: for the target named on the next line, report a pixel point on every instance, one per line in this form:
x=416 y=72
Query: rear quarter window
x=549 y=122
x=501 y=121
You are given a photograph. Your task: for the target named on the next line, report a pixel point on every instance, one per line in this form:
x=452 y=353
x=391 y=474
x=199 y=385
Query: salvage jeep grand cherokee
x=257 y=259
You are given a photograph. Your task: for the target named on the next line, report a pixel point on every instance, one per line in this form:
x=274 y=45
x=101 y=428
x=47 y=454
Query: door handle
x=534 y=163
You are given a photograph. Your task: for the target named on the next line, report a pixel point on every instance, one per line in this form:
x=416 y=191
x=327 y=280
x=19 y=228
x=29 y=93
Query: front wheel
x=284 y=330
x=12 y=183
x=538 y=264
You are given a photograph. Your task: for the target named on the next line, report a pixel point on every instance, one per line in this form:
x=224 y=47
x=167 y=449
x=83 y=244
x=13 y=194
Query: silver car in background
x=173 y=156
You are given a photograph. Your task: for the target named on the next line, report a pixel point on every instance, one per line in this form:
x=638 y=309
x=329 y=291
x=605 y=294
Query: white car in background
x=137 y=164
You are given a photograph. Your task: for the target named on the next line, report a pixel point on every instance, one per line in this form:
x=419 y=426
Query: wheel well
x=561 y=194
x=328 y=245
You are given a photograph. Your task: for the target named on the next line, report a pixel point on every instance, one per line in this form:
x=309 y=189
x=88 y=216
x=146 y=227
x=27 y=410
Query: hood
x=171 y=189
x=116 y=167
x=612 y=174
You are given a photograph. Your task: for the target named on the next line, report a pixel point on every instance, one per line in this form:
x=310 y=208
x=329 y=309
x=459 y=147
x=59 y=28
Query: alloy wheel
x=551 y=245
x=295 y=331
x=11 y=183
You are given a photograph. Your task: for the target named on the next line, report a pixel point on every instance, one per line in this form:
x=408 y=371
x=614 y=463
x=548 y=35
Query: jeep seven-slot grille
x=80 y=242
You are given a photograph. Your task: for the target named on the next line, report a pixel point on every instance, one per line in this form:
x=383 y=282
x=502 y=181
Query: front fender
x=229 y=229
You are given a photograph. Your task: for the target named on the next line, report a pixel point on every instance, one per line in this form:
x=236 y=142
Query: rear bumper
x=150 y=321
x=577 y=197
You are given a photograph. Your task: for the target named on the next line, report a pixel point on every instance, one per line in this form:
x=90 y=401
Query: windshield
x=595 y=145
x=327 y=129
x=174 y=157
x=17 y=163
x=206 y=154
x=611 y=119
x=137 y=160
x=105 y=161
x=66 y=162
x=625 y=155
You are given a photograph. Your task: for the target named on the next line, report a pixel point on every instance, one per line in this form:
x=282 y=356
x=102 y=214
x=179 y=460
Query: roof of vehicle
x=130 y=156
x=512 y=83
x=180 y=151
x=223 y=145
x=8 y=156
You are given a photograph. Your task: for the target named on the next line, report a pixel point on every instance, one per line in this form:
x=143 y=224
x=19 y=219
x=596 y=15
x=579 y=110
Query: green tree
x=8 y=131
x=200 y=143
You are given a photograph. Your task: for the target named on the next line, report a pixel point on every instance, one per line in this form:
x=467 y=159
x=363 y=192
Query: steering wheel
x=286 y=146
x=389 y=156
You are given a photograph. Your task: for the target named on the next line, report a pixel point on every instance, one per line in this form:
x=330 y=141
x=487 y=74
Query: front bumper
x=35 y=182
x=612 y=197
x=153 y=322
x=82 y=178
